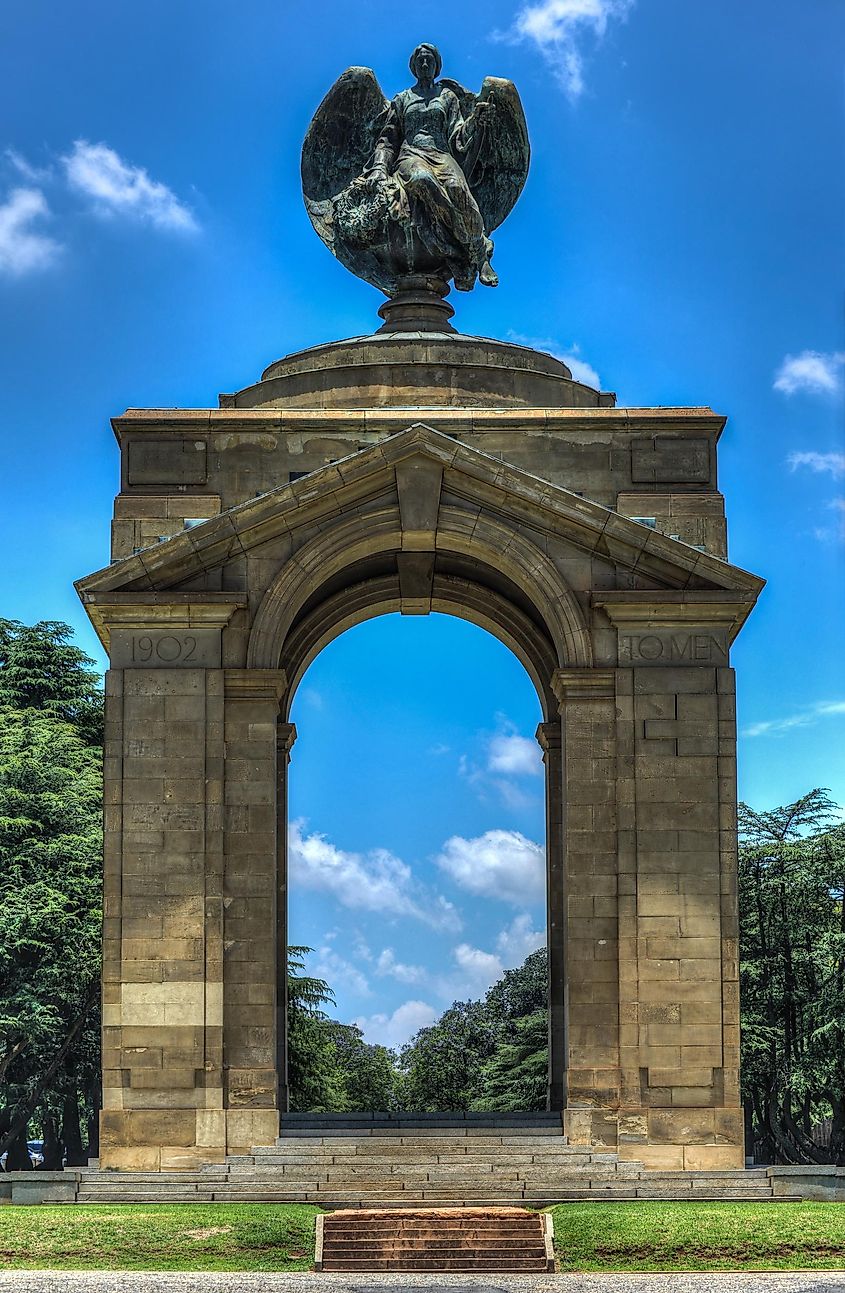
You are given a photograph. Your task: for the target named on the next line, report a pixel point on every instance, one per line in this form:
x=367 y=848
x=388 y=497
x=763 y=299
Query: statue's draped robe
x=421 y=143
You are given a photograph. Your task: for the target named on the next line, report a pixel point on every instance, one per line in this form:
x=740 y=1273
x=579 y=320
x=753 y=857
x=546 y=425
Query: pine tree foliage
x=461 y=1061
x=792 y=945
x=516 y=1076
x=41 y=670
x=50 y=888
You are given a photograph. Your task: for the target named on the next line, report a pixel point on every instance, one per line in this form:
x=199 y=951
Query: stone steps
x=494 y=1240
x=446 y=1167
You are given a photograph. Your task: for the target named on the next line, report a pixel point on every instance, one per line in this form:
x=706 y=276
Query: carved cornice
x=583 y=684
x=256 y=684
x=159 y=611
x=639 y=610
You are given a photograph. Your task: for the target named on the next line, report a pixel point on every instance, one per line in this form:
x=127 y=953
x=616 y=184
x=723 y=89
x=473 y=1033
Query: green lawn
x=642 y=1236
x=652 y=1236
x=158 y=1237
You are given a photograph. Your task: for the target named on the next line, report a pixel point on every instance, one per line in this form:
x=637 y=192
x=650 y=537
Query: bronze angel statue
x=411 y=189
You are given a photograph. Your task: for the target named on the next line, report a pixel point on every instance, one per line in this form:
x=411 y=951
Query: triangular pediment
x=483 y=481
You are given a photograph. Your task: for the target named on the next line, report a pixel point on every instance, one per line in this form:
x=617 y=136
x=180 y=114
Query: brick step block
x=446 y=1265
x=366 y=1247
x=434 y=1239
x=449 y=1226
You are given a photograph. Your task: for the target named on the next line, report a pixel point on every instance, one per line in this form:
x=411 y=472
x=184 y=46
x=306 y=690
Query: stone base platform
x=418 y=1169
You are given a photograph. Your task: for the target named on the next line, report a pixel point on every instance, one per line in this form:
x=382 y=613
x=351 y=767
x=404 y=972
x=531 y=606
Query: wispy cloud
x=571 y=356
x=23 y=247
x=374 y=881
x=507 y=759
x=333 y=967
x=388 y=966
x=30 y=172
x=519 y=939
x=834 y=533
x=119 y=188
x=806 y=717
x=833 y=463
x=498 y=864
x=557 y=28
x=811 y=372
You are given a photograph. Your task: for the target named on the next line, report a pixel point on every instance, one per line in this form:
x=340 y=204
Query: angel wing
x=337 y=146
x=497 y=167
x=342 y=134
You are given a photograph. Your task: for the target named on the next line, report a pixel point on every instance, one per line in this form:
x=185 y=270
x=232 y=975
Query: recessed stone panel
x=166 y=462
x=674 y=646
x=670 y=460
x=181 y=649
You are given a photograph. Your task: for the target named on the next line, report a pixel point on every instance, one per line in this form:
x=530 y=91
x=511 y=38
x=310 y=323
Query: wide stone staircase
x=431 y=1239
x=434 y=1161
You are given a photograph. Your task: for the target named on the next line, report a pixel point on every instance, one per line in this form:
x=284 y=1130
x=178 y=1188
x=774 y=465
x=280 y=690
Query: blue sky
x=680 y=235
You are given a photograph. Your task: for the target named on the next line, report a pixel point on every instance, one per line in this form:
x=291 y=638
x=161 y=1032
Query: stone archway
x=414 y=556
x=626 y=634
x=333 y=621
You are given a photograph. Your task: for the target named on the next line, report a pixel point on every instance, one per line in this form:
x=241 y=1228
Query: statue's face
x=424 y=65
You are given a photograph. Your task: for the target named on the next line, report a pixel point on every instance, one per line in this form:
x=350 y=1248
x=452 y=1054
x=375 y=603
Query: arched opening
x=417 y=859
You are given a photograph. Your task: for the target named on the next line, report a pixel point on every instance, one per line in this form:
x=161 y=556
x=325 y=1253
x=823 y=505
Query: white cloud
x=580 y=369
x=396 y=1029
x=508 y=757
x=514 y=755
x=811 y=372
x=806 y=717
x=333 y=967
x=119 y=188
x=388 y=966
x=834 y=463
x=556 y=28
x=498 y=864
x=374 y=881
x=22 y=248
x=519 y=939
x=478 y=968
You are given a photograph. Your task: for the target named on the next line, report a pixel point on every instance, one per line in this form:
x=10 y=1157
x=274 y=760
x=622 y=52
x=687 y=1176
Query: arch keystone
x=418 y=483
x=416 y=581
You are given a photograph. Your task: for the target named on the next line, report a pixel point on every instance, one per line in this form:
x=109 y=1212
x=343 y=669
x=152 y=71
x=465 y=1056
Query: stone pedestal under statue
x=420 y=471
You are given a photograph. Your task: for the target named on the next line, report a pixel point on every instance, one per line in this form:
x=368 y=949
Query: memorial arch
x=419 y=474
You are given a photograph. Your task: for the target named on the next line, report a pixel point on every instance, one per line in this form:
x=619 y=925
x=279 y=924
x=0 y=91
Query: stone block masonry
x=408 y=474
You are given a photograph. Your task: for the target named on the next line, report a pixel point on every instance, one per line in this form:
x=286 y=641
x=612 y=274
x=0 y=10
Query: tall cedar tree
x=792 y=971
x=50 y=890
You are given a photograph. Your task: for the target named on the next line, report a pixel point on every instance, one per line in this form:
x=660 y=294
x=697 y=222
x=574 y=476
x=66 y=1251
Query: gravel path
x=161 y=1282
